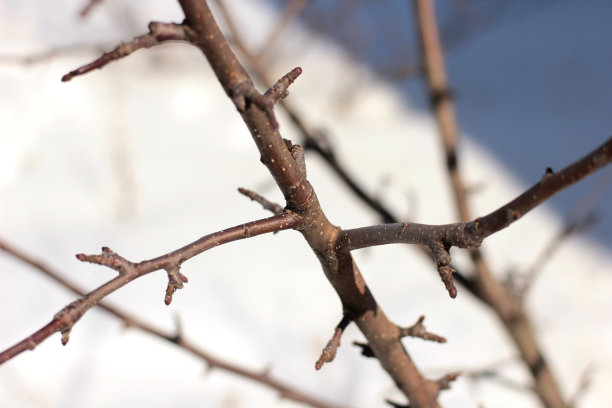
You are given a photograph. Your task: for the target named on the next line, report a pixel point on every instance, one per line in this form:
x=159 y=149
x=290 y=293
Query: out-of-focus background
x=145 y=156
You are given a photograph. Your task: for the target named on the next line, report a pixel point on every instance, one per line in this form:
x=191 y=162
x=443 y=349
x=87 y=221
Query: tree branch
x=158 y=33
x=65 y=319
x=177 y=339
x=471 y=234
x=508 y=308
x=301 y=199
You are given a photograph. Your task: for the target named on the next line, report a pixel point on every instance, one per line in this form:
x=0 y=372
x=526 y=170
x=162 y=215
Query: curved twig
x=65 y=319
x=177 y=339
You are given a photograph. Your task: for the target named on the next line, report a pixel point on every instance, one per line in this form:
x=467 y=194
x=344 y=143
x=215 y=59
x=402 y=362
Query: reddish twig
x=158 y=33
x=176 y=338
x=418 y=330
x=65 y=319
x=329 y=351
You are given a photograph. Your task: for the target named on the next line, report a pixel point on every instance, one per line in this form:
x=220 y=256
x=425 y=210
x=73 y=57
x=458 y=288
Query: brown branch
x=471 y=234
x=265 y=203
x=320 y=234
x=65 y=319
x=176 y=338
x=158 y=33
x=312 y=140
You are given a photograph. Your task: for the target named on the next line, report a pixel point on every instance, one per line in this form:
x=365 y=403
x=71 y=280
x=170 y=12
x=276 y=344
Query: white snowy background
x=146 y=155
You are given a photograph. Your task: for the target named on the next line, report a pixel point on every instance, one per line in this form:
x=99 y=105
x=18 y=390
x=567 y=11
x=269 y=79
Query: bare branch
x=158 y=33
x=65 y=319
x=313 y=141
x=471 y=234
x=265 y=203
x=176 y=338
x=418 y=330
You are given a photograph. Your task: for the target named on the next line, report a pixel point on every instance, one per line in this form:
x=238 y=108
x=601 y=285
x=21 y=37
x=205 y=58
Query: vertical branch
x=340 y=269
x=441 y=98
x=509 y=309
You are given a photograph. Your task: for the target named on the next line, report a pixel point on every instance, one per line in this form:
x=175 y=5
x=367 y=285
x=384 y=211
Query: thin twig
x=265 y=203
x=177 y=338
x=66 y=318
x=329 y=351
x=471 y=234
x=418 y=330
x=159 y=33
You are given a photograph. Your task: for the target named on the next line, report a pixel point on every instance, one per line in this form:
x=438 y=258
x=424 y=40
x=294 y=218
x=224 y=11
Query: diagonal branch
x=319 y=232
x=158 y=33
x=66 y=318
x=471 y=234
x=177 y=339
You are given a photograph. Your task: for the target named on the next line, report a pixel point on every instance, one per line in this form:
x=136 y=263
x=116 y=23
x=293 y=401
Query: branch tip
x=418 y=330
x=176 y=280
x=329 y=351
x=108 y=258
x=442 y=258
x=265 y=203
x=444 y=381
x=158 y=34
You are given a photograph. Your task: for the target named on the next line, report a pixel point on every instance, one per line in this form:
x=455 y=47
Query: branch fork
x=243 y=93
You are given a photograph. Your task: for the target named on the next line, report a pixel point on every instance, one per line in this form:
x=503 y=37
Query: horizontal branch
x=177 y=339
x=65 y=319
x=471 y=234
x=158 y=33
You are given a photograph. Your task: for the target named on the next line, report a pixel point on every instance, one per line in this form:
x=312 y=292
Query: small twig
x=277 y=92
x=329 y=351
x=65 y=319
x=312 y=141
x=176 y=338
x=444 y=381
x=158 y=33
x=265 y=203
x=418 y=330
x=88 y=7
x=471 y=234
